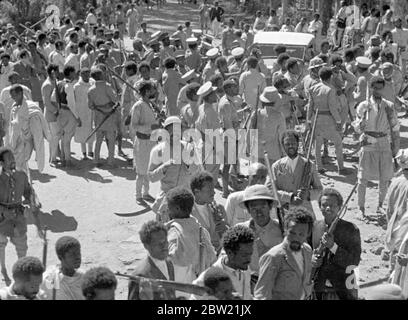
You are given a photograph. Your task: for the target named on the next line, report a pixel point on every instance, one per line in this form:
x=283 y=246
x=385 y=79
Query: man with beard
x=27 y=275
x=63 y=281
x=342 y=251
x=285 y=269
x=238 y=243
x=288 y=173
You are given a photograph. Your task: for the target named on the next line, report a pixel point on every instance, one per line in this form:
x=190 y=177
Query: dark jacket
x=146 y=268
x=216 y=13
x=334 y=266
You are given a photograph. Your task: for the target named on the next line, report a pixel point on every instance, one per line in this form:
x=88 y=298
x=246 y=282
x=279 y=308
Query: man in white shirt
x=251 y=83
x=238 y=243
x=27 y=276
x=73 y=58
x=316 y=27
x=156 y=265
x=57 y=56
x=235 y=213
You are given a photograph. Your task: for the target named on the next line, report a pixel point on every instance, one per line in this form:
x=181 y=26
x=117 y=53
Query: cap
x=387 y=65
x=197 y=32
x=9 y=26
x=237 y=52
x=171 y=120
x=206 y=89
x=191 y=40
x=363 y=62
x=385 y=292
x=375 y=40
x=402 y=158
x=270 y=94
x=212 y=53
x=316 y=62
x=206 y=45
x=179 y=53
x=235 y=44
x=257 y=192
x=189 y=75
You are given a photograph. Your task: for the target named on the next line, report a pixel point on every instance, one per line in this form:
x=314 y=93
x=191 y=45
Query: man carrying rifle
x=342 y=250
x=101 y=99
x=14 y=185
x=379 y=127
x=68 y=118
x=296 y=176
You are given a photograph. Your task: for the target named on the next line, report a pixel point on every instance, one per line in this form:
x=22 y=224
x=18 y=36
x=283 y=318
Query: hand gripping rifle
x=321 y=248
x=159 y=114
x=169 y=285
x=307 y=176
x=279 y=209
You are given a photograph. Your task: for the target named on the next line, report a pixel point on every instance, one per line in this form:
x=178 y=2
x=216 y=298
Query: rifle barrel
x=167 y=284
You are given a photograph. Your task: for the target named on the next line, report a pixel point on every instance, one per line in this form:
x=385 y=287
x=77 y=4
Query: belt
x=376 y=134
x=11 y=205
x=142 y=136
x=325 y=113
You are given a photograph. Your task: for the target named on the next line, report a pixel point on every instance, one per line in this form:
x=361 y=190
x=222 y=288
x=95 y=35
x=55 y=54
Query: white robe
x=85 y=114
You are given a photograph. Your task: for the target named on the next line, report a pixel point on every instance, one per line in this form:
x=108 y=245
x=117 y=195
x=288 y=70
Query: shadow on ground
x=56 y=221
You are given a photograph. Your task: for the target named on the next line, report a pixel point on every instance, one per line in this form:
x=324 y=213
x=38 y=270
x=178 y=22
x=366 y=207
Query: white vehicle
x=298 y=44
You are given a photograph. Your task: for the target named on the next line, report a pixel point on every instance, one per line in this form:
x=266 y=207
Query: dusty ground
x=82 y=202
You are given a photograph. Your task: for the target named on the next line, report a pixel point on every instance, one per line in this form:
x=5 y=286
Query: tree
x=326 y=9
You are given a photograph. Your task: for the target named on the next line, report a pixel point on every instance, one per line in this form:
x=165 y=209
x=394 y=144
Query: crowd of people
x=173 y=94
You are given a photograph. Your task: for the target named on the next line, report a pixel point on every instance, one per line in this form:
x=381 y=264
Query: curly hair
x=182 y=198
x=213 y=276
x=198 y=180
x=149 y=228
x=3 y=151
x=97 y=278
x=330 y=192
x=64 y=244
x=27 y=266
x=299 y=215
x=290 y=133
x=236 y=235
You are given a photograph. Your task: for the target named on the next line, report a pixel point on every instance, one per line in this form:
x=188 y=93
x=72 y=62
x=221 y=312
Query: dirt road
x=82 y=202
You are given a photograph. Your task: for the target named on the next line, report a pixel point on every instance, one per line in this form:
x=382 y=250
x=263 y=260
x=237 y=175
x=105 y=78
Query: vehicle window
x=269 y=52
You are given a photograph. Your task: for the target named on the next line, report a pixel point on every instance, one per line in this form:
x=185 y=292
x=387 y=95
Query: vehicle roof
x=285 y=38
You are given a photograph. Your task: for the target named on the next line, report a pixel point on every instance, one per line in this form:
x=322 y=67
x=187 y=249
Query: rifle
x=169 y=285
x=279 y=209
x=254 y=123
x=57 y=95
x=45 y=248
x=114 y=108
x=321 y=248
x=159 y=114
x=306 y=176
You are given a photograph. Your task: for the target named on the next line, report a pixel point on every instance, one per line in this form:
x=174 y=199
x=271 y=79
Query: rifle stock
x=169 y=285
